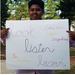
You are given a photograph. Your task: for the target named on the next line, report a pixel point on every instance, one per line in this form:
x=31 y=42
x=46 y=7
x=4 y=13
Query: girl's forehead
x=35 y=6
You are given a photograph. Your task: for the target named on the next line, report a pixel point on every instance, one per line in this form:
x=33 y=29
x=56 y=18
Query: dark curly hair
x=38 y=2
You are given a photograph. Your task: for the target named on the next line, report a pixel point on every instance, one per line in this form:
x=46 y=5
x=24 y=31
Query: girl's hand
x=71 y=35
x=4 y=32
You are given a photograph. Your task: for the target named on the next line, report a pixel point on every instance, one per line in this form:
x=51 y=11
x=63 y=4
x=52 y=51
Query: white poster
x=37 y=44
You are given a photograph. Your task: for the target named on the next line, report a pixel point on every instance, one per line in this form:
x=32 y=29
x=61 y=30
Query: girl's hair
x=38 y=2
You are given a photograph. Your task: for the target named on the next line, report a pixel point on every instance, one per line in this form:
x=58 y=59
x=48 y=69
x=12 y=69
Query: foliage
x=19 y=9
x=50 y=9
x=72 y=51
x=67 y=8
x=74 y=23
x=4 y=15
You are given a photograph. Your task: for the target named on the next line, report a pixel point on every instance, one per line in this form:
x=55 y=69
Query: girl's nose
x=35 y=11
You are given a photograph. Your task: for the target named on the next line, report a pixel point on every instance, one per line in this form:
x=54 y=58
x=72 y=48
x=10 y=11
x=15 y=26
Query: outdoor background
x=54 y=9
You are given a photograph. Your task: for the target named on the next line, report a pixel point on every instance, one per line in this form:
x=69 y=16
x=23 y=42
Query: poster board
x=37 y=44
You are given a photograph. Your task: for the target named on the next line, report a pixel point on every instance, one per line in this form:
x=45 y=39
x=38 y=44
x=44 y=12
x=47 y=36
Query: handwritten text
x=36 y=49
x=49 y=63
x=19 y=33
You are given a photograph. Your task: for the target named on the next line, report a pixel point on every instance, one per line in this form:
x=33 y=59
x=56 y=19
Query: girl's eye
x=38 y=9
x=32 y=9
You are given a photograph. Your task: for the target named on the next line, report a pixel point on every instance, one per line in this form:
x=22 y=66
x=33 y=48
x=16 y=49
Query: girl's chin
x=34 y=19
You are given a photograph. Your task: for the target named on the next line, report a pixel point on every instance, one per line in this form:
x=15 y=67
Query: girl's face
x=35 y=12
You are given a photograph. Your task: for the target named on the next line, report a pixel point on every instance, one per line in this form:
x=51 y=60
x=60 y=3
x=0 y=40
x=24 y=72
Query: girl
x=36 y=10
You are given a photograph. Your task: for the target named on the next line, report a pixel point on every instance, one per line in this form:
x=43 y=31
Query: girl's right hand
x=4 y=32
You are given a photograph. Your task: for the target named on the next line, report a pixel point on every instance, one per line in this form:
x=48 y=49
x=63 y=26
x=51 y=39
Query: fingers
x=4 y=32
x=7 y=28
x=71 y=35
x=70 y=32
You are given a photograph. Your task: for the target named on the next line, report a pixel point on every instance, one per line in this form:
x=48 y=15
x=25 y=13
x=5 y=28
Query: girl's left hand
x=71 y=35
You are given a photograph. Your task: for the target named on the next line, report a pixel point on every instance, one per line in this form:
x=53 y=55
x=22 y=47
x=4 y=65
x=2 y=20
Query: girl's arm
x=72 y=38
x=3 y=40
